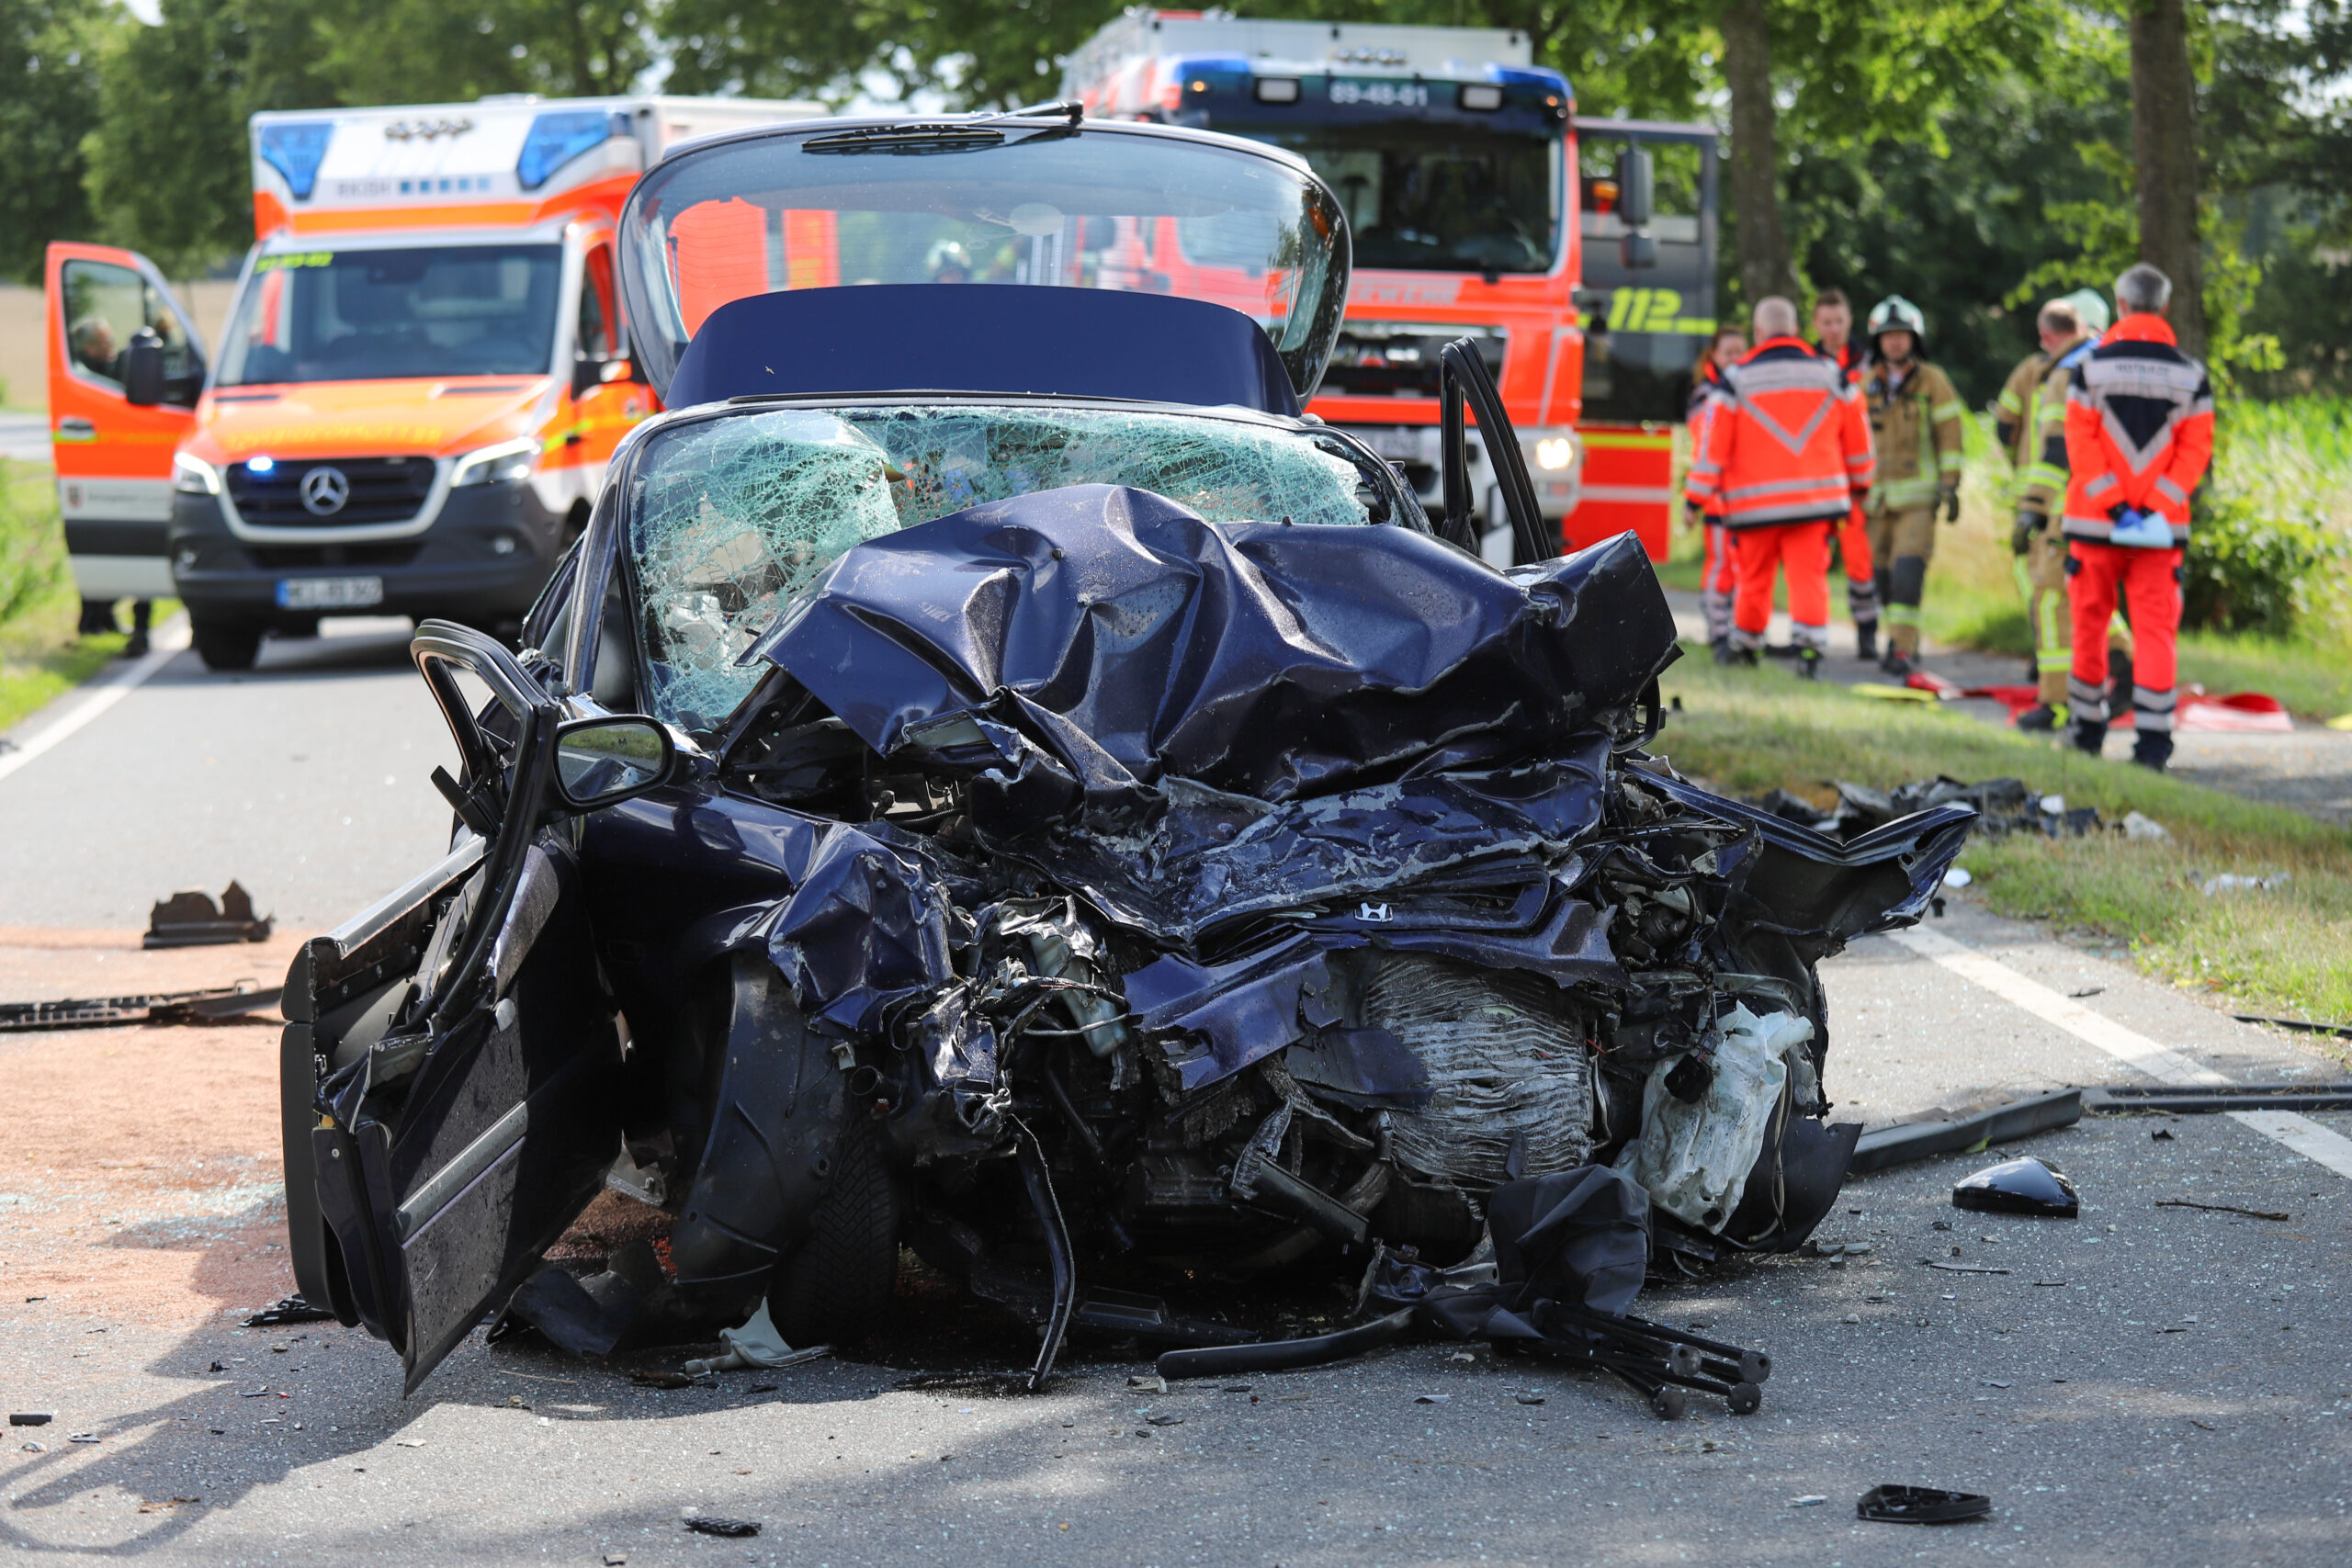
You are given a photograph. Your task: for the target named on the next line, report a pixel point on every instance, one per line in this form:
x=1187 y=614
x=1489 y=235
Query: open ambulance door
x=112 y=324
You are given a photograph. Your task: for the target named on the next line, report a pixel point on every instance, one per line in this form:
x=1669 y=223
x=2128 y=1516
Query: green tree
x=49 y=103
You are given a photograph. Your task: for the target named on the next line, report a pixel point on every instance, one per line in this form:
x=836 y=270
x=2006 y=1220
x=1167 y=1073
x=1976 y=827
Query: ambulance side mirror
x=142 y=369
x=1636 y=187
x=1637 y=205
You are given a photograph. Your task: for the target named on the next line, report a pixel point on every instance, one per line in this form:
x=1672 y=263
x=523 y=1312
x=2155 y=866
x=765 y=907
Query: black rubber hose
x=1284 y=1355
x=1049 y=1219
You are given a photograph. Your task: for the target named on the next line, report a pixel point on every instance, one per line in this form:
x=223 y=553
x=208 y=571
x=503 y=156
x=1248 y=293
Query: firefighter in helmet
x=1916 y=430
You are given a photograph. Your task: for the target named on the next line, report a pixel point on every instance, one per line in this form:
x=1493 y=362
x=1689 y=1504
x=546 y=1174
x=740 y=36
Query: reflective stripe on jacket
x=2138 y=430
x=2045 y=472
x=1705 y=388
x=2013 y=410
x=1786 y=441
x=1916 y=426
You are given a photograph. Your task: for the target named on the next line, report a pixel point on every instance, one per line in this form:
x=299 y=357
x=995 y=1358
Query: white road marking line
x=2134 y=1050
x=169 y=640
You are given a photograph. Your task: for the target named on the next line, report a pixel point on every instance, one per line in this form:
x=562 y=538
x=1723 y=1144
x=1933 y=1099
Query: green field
x=40 y=656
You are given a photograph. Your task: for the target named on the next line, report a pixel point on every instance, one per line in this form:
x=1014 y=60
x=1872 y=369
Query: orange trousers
x=2148 y=582
x=1803 y=549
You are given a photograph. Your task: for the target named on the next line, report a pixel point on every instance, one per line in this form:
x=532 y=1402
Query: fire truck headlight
x=1555 y=453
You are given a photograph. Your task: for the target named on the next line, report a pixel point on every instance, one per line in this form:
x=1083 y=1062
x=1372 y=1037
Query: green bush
x=2252 y=567
x=30 y=561
x=2272 y=537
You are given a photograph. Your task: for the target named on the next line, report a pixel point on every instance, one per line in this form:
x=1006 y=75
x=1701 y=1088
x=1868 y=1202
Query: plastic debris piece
x=1432 y=1398
x=1695 y=1154
x=1164 y=1420
x=1810 y=1500
x=2026 y=1186
x=758 y=1343
x=192 y=920
x=1150 y=1383
x=289 y=1309
x=1957 y=876
x=408 y=1442
x=2136 y=826
x=708 y=1524
x=1970 y=1128
x=1529 y=1398
x=1962 y=1267
x=2230 y=881
x=1922 y=1505
x=33 y=1448
x=31 y=1417
x=85 y=1438
x=2223 y=1209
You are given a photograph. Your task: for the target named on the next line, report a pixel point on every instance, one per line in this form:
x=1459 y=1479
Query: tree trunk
x=1755 y=171
x=2164 y=151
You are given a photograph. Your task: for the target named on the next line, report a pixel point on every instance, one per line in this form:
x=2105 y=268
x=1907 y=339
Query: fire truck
x=1579 y=254
x=424 y=370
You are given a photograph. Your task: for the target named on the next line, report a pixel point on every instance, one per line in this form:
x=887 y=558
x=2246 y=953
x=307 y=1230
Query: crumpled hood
x=1130 y=642
x=336 y=419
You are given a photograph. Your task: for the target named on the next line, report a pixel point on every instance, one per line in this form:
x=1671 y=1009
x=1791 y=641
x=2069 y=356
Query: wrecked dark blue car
x=996 y=779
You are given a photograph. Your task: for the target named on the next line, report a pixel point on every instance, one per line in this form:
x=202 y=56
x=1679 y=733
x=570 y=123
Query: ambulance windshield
x=381 y=314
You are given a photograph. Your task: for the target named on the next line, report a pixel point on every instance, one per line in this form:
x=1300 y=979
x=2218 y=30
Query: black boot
x=1866 y=640
x=2039 y=719
x=2151 y=749
x=1895 y=663
x=1808 y=664
x=2090 y=738
x=1722 y=651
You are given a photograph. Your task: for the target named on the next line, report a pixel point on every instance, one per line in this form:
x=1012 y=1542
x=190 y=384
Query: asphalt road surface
x=2144 y=1385
x=306 y=779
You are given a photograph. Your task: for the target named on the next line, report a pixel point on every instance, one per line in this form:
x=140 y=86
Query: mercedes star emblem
x=325 y=491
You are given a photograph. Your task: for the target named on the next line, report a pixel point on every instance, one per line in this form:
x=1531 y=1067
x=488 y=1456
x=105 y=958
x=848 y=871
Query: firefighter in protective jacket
x=2071 y=328
x=1916 y=426
x=1786 y=456
x=2138 y=435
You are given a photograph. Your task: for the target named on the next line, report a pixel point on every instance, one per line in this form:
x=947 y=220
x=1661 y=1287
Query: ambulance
x=423 y=372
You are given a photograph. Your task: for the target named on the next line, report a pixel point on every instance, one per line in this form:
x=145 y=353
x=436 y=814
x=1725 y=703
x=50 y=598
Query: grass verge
x=2286 y=951
x=41 y=656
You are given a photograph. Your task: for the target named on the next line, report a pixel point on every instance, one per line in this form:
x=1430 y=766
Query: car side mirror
x=602 y=761
x=142 y=369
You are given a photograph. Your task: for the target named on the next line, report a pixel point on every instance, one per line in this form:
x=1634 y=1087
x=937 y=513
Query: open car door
x=465 y=1056
x=105 y=307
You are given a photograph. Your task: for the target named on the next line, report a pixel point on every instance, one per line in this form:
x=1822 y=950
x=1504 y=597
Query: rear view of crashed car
x=995 y=778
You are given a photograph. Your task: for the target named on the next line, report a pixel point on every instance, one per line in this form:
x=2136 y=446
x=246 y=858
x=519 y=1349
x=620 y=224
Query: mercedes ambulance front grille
x=331 y=493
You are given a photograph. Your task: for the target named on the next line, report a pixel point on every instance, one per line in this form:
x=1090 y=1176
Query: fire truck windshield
x=380 y=314
x=1436 y=197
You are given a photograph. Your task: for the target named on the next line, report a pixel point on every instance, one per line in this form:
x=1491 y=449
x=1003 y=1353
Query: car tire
x=225 y=645
x=836 y=1288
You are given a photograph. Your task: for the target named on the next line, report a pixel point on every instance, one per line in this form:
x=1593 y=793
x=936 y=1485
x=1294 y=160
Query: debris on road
x=1971 y=1127
x=758 y=1344
x=192 y=919
x=288 y=1310
x=2004 y=807
x=2136 y=826
x=2223 y=1209
x=220 y=1004
x=709 y=1524
x=1154 y=1383
x=31 y=1417
x=1810 y=1500
x=1963 y=1267
x=1922 y=1505
x=2026 y=1186
x=2207 y=1099
x=2341 y=1031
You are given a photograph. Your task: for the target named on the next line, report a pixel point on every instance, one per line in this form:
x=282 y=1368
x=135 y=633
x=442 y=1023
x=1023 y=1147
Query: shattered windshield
x=734 y=515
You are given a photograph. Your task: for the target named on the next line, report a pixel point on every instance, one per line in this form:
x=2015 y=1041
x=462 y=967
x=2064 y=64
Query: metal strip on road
x=170 y=640
x=2301 y=1133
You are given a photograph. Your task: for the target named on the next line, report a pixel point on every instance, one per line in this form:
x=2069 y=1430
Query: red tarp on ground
x=2240 y=712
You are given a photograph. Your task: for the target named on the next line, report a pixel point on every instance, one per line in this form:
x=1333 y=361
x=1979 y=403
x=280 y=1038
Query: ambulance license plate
x=330 y=593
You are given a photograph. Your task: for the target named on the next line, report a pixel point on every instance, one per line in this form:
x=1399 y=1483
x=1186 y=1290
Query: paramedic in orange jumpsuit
x=2138 y=435
x=1716 y=575
x=1787 y=457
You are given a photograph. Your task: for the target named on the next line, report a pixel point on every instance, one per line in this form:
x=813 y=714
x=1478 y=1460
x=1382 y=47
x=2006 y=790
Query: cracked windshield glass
x=737 y=514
